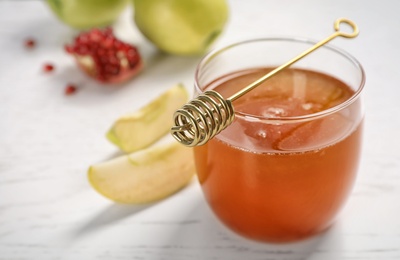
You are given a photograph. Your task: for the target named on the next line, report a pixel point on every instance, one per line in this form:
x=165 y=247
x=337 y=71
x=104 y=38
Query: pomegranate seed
x=70 y=89
x=48 y=67
x=30 y=43
x=111 y=58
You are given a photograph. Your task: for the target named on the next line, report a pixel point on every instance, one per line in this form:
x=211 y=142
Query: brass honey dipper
x=208 y=114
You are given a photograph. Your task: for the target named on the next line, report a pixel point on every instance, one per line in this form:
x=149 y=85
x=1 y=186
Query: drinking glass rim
x=289 y=119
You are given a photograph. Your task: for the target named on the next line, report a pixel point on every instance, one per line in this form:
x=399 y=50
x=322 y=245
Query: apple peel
x=145 y=126
x=145 y=176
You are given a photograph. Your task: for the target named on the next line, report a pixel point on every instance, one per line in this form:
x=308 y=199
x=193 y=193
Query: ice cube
x=299 y=85
x=316 y=134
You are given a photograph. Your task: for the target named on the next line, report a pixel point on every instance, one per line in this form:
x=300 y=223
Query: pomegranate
x=102 y=56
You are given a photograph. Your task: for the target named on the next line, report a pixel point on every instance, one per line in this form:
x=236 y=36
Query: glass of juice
x=286 y=165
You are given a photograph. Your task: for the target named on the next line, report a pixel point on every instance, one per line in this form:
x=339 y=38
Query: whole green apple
x=84 y=14
x=183 y=27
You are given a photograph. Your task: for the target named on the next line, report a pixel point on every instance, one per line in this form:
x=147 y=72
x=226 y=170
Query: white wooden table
x=48 y=140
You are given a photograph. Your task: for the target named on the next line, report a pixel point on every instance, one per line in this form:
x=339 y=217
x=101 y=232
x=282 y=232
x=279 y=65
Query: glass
x=284 y=168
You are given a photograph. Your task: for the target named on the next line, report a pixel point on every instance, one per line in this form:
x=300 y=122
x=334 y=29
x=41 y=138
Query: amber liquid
x=282 y=181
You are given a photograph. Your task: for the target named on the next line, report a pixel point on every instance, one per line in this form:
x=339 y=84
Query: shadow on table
x=197 y=233
x=210 y=239
x=109 y=215
x=117 y=212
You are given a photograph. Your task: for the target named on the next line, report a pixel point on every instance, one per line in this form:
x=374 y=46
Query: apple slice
x=147 y=125
x=144 y=176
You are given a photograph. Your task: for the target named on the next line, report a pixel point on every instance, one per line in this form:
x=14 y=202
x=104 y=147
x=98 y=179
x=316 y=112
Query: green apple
x=144 y=176
x=183 y=27
x=145 y=126
x=83 y=14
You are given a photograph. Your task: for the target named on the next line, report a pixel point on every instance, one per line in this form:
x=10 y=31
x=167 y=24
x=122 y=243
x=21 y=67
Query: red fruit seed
x=70 y=89
x=30 y=43
x=104 y=57
x=48 y=67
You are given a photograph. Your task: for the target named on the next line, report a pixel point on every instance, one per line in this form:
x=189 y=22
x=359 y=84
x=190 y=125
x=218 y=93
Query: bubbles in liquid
x=311 y=107
x=262 y=134
x=274 y=112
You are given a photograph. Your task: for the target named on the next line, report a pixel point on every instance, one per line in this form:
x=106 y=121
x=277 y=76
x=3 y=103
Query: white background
x=48 y=141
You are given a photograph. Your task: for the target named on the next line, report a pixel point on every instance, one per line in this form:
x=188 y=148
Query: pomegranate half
x=104 y=57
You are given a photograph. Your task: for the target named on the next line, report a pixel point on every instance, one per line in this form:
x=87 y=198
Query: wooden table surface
x=48 y=140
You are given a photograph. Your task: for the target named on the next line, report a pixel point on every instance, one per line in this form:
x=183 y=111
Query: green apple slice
x=147 y=125
x=144 y=176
